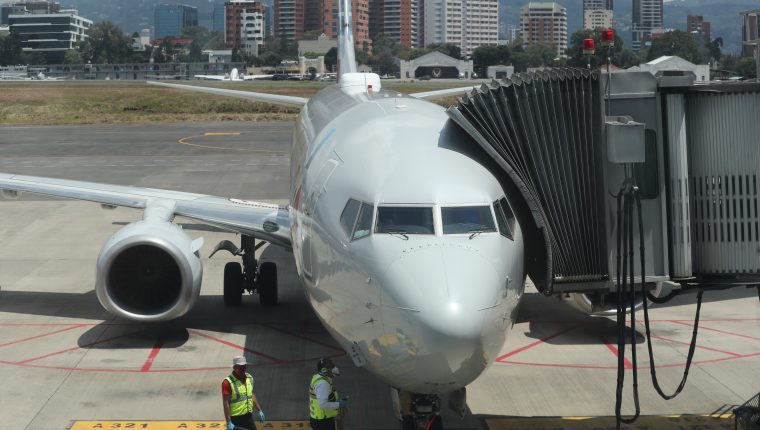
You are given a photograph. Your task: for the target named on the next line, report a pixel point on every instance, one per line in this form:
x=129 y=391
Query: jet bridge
x=566 y=139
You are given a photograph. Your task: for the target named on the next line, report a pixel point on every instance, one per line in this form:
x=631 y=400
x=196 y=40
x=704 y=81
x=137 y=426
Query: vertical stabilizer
x=346 y=56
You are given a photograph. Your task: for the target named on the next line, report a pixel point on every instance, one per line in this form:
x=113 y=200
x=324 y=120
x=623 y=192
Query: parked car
x=279 y=77
x=424 y=78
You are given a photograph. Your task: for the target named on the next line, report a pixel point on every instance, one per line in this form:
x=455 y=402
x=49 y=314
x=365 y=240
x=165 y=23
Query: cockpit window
x=467 y=219
x=356 y=219
x=406 y=220
x=348 y=216
x=504 y=218
x=364 y=223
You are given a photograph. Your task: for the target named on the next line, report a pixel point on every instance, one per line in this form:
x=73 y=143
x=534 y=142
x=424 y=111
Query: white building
x=49 y=31
x=544 y=23
x=598 y=18
x=319 y=46
x=467 y=23
x=647 y=15
x=252 y=31
x=597 y=14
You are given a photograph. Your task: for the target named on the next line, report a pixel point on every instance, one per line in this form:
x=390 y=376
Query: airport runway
x=63 y=359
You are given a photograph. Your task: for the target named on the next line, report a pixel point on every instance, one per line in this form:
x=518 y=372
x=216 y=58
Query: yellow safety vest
x=241 y=396
x=315 y=412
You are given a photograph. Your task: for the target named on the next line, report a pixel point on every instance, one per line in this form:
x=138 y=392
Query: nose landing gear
x=250 y=276
x=417 y=411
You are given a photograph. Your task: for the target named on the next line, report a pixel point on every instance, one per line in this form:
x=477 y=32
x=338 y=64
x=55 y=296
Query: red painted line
x=152 y=356
x=75 y=348
x=698 y=346
x=224 y=342
x=616 y=352
x=41 y=335
x=325 y=344
x=534 y=344
x=716 y=330
x=44 y=325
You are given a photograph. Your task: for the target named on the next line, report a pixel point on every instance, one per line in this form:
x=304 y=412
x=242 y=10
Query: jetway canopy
x=556 y=137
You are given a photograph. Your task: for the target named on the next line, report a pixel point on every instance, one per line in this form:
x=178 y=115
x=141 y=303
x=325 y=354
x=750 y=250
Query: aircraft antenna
x=346 y=56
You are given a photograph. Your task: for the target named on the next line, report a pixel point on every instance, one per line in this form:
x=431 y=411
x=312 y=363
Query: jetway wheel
x=267 y=284
x=233 y=284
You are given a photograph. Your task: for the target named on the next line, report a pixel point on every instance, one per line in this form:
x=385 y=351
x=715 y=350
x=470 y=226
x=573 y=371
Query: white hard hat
x=239 y=361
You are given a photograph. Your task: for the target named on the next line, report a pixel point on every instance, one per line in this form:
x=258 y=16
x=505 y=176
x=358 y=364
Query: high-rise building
x=359 y=22
x=244 y=25
x=49 y=31
x=289 y=18
x=294 y=17
x=35 y=7
x=597 y=14
x=217 y=17
x=467 y=23
x=397 y=20
x=698 y=28
x=647 y=15
x=170 y=19
x=544 y=23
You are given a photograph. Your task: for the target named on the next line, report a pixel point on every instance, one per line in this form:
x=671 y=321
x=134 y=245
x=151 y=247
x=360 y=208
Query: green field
x=103 y=102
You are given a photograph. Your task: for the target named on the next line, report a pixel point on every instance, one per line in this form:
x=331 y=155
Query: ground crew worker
x=324 y=403
x=237 y=396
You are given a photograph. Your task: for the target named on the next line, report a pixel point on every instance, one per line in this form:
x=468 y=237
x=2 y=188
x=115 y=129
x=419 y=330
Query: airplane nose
x=447 y=295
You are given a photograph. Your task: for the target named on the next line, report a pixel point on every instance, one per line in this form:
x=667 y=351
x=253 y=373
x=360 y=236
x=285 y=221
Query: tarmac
x=66 y=363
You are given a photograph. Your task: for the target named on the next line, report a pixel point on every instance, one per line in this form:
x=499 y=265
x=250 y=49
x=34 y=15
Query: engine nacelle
x=149 y=271
x=597 y=303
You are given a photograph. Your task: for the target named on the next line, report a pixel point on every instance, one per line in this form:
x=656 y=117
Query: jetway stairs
x=564 y=141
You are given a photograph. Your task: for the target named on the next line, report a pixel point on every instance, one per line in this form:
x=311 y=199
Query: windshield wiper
x=402 y=233
x=478 y=231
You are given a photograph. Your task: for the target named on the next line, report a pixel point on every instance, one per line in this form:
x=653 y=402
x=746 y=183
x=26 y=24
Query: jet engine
x=149 y=271
x=597 y=303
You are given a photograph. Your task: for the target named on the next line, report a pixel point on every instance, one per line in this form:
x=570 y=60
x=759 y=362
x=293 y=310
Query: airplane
x=405 y=243
x=233 y=76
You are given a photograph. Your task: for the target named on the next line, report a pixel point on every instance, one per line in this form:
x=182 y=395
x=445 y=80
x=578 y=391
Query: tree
x=10 y=50
x=535 y=55
x=490 y=55
x=106 y=44
x=714 y=49
x=331 y=58
x=72 y=56
x=678 y=43
x=745 y=67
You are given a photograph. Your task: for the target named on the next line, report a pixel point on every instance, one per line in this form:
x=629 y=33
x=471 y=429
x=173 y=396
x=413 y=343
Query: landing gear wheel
x=267 y=284
x=233 y=284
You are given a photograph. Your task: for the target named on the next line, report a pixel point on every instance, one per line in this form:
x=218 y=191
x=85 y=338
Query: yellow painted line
x=221 y=134
x=654 y=422
x=181 y=425
x=186 y=141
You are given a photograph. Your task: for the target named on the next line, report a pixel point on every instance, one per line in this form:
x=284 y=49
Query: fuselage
x=397 y=239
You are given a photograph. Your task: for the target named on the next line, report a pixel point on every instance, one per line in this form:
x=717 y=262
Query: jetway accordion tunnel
x=563 y=140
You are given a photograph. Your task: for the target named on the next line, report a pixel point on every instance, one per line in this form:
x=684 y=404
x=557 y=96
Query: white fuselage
x=428 y=312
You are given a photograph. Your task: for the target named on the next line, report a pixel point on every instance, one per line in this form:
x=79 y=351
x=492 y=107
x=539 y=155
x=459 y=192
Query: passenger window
x=348 y=217
x=407 y=220
x=364 y=223
x=467 y=219
x=501 y=218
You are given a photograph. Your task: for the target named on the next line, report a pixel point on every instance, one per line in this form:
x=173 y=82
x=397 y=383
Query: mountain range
x=133 y=15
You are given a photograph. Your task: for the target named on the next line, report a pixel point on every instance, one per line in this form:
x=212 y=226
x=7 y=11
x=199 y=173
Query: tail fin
x=346 y=56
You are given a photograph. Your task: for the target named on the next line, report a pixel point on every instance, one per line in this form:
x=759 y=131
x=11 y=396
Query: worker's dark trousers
x=244 y=422
x=325 y=424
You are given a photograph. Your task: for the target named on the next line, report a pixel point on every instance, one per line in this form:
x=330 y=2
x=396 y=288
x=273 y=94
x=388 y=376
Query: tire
x=233 y=284
x=438 y=423
x=267 y=284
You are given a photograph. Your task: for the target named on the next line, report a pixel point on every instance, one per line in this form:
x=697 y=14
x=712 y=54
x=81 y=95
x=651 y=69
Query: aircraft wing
x=261 y=220
x=427 y=95
x=259 y=97
x=253 y=77
x=213 y=77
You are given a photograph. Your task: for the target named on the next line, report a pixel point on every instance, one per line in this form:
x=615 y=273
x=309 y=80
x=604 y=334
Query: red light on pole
x=588 y=46
x=608 y=38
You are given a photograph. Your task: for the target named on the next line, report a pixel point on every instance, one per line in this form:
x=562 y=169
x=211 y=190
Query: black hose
x=695 y=328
